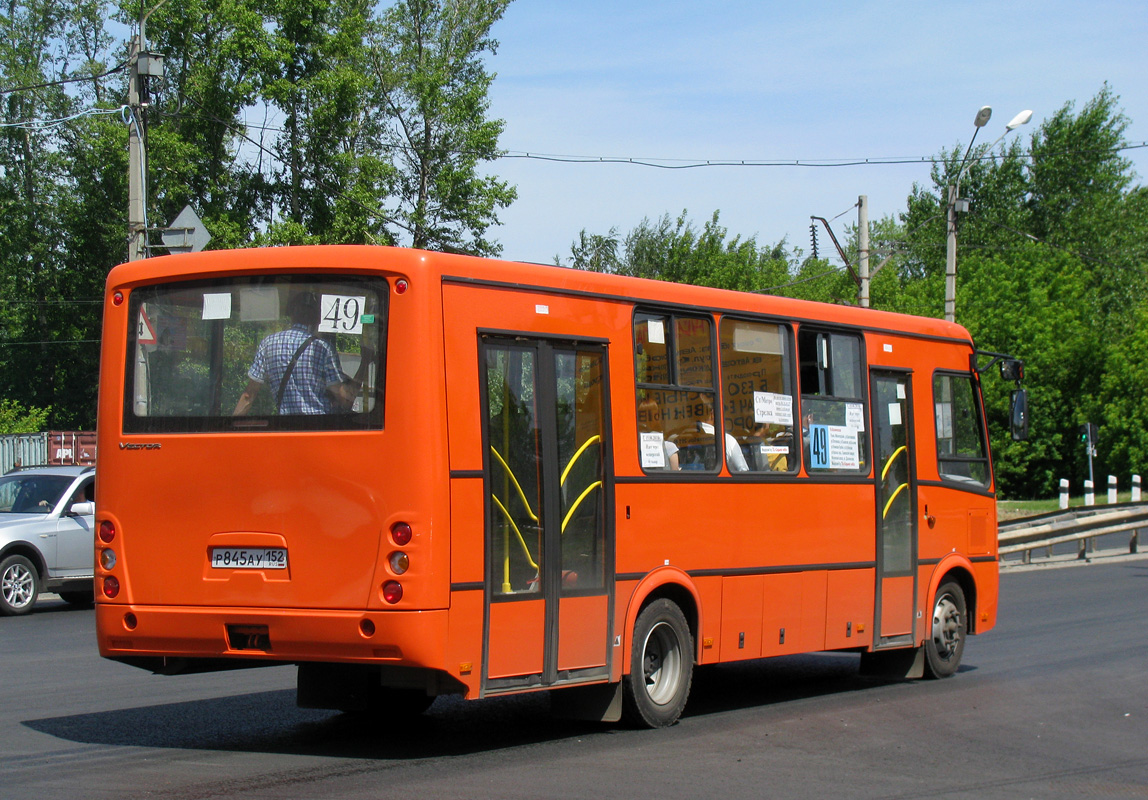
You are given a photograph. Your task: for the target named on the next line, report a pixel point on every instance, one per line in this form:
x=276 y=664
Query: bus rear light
x=108 y=559
x=392 y=592
x=401 y=286
x=107 y=532
x=402 y=533
x=118 y=298
x=130 y=621
x=111 y=587
x=399 y=562
x=366 y=628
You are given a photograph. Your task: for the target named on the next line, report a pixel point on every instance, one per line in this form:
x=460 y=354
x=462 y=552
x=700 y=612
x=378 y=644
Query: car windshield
x=31 y=494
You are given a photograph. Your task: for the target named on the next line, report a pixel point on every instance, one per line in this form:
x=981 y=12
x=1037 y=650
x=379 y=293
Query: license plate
x=249 y=558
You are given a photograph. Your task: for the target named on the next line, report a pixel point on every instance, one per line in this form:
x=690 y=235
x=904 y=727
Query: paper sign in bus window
x=772 y=409
x=340 y=313
x=656 y=331
x=833 y=447
x=217 y=305
x=855 y=416
x=653 y=451
x=258 y=304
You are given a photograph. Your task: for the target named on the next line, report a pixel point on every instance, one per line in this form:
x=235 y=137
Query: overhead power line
x=678 y=163
x=62 y=81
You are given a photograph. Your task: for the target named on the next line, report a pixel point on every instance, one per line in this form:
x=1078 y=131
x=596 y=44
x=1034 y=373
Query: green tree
x=672 y=249
x=1052 y=269
x=333 y=172
x=216 y=54
x=15 y=418
x=49 y=312
x=428 y=62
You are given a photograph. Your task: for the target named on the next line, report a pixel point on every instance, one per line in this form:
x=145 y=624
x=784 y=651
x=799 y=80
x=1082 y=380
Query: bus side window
x=673 y=363
x=758 y=396
x=832 y=401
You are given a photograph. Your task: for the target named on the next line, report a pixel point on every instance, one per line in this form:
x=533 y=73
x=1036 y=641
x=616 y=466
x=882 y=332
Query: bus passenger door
x=549 y=537
x=896 y=488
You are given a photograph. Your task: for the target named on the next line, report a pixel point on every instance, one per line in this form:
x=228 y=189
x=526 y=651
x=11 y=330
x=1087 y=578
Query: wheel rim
x=17 y=586
x=946 y=626
x=662 y=663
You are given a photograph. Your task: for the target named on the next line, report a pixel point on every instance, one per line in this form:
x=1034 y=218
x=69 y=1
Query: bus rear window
x=286 y=352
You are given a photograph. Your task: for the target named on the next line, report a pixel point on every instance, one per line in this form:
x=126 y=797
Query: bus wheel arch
x=666 y=583
x=959 y=570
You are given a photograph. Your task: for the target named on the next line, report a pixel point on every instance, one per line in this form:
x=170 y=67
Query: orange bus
x=415 y=474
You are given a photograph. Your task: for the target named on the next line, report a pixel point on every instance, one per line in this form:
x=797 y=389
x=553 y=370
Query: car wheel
x=661 y=667
x=19 y=585
x=79 y=599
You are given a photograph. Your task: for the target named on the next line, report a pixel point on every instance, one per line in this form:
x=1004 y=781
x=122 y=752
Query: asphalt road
x=1052 y=703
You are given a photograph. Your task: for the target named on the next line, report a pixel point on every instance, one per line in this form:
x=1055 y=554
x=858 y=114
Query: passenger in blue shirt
x=300 y=368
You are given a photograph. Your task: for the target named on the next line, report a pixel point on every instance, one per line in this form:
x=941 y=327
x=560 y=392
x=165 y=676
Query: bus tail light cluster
x=110 y=585
x=398 y=561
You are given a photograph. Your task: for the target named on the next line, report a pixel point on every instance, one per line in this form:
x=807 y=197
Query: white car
x=47 y=535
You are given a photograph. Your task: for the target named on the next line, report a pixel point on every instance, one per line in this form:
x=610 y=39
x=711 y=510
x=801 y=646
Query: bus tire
x=947 y=631
x=661 y=667
x=19 y=586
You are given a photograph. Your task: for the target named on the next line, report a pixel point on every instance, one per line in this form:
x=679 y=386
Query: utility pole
x=137 y=200
x=951 y=257
x=863 y=242
x=143 y=65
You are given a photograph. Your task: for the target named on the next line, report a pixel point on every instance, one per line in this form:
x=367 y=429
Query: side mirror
x=85 y=509
x=1018 y=415
x=1012 y=369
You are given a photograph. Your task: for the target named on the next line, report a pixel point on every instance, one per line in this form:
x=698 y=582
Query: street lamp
x=956 y=204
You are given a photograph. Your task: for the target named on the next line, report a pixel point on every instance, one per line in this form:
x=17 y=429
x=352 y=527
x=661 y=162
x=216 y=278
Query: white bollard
x=1064 y=493
x=1135 y=488
x=1089 y=497
x=1111 y=490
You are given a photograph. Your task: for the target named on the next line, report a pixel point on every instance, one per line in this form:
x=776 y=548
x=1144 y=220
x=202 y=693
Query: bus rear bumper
x=138 y=633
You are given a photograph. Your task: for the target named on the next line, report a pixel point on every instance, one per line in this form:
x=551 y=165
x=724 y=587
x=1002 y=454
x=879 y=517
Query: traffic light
x=1089 y=433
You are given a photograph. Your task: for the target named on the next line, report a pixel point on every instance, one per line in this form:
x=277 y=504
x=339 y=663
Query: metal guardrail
x=1080 y=525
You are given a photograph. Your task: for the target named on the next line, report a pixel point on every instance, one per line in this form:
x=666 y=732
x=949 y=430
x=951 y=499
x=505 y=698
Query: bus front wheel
x=661 y=667
x=947 y=633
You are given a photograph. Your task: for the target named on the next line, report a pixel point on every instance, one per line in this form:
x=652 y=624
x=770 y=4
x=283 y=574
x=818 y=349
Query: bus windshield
x=281 y=352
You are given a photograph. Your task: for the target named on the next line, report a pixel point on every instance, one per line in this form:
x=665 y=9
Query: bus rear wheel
x=661 y=667
x=947 y=633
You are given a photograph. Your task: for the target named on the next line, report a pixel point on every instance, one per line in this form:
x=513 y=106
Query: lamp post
x=956 y=204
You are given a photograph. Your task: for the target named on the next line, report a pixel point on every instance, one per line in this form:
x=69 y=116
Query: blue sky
x=778 y=81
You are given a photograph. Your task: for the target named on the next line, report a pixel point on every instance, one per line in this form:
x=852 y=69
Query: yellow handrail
x=582 y=449
x=517 y=486
x=900 y=488
x=581 y=497
x=889 y=463
x=521 y=540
